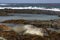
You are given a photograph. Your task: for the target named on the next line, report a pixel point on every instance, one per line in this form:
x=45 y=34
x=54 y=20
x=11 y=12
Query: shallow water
x=11 y=24
x=29 y=17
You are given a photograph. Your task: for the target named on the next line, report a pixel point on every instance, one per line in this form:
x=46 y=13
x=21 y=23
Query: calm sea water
x=29 y=17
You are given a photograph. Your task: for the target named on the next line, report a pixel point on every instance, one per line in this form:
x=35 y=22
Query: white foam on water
x=30 y=7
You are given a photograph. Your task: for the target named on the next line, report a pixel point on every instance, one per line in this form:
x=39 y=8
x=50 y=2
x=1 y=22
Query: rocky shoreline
x=38 y=23
x=29 y=11
x=12 y=35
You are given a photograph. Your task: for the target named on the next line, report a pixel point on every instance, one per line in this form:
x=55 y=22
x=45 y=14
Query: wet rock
x=9 y=35
x=30 y=11
x=4 y=28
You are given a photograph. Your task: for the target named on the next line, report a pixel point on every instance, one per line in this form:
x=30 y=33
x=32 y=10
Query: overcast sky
x=29 y=1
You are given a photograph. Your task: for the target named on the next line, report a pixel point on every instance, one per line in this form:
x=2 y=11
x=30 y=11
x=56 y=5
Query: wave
x=30 y=7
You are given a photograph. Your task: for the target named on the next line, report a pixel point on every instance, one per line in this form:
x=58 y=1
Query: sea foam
x=30 y=7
